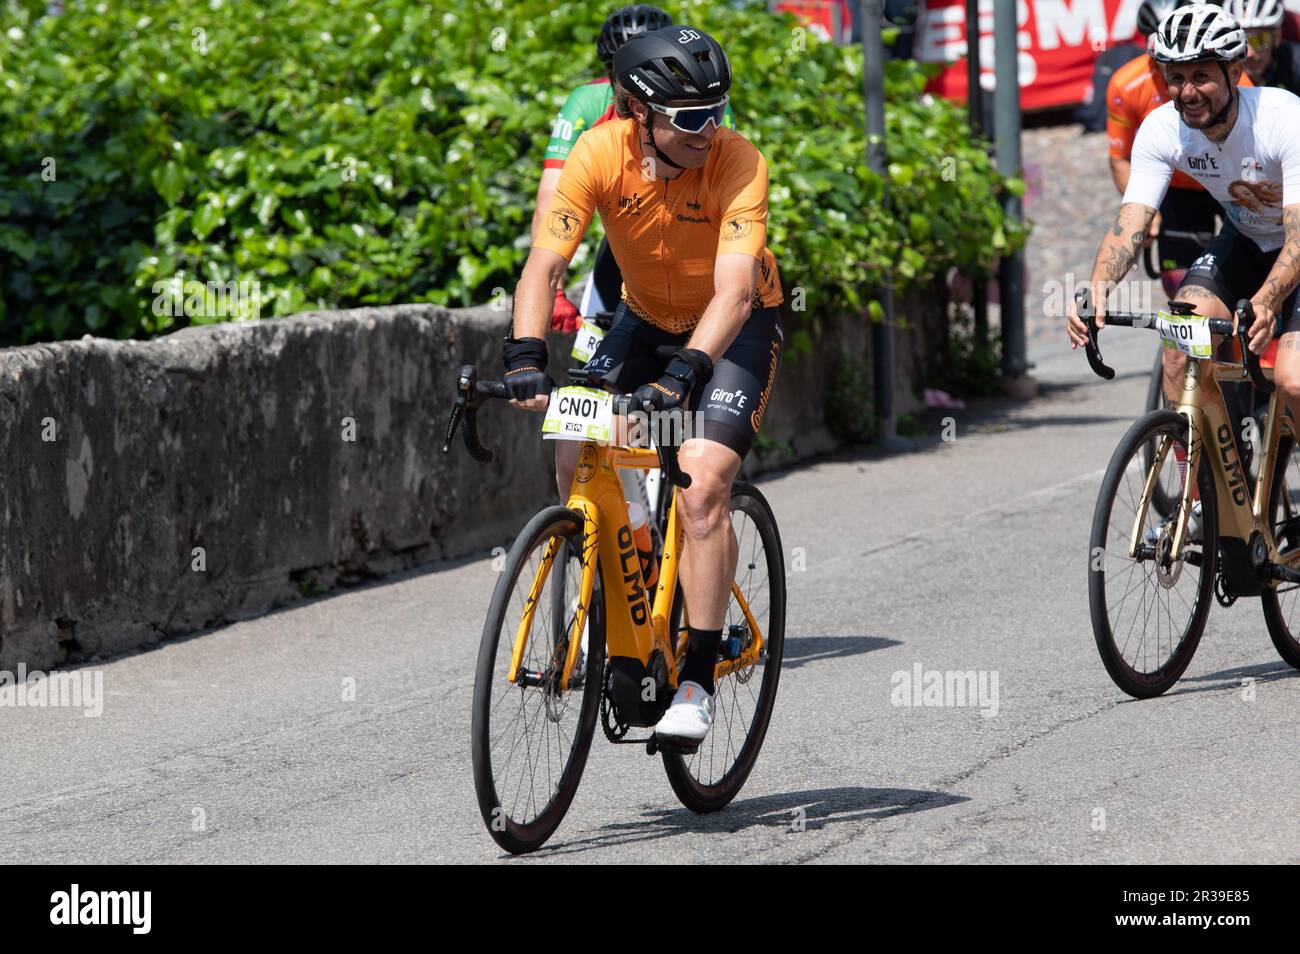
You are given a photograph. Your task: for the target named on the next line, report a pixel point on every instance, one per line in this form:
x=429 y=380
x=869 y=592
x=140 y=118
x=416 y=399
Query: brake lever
x=469 y=396
x=1083 y=308
x=667 y=452
x=1249 y=360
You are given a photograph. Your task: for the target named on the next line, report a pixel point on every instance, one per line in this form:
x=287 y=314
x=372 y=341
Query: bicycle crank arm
x=1287 y=574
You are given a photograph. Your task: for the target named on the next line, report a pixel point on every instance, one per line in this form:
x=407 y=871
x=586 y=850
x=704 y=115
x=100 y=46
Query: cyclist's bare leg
x=1286 y=372
x=708 y=564
x=566 y=460
x=1175 y=362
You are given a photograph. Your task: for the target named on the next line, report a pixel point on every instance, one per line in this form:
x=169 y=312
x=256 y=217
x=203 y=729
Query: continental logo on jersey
x=737 y=228
x=562 y=223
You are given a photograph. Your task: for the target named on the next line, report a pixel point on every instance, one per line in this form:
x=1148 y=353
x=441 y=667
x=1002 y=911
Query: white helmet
x=1198 y=32
x=1256 y=14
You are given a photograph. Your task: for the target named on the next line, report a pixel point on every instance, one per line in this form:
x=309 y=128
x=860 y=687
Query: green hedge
x=373 y=151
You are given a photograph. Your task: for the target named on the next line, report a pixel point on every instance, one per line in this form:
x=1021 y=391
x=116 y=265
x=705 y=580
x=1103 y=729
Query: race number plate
x=587 y=340
x=1187 y=333
x=579 y=414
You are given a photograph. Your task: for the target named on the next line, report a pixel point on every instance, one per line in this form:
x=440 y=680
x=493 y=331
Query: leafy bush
x=372 y=151
x=849 y=412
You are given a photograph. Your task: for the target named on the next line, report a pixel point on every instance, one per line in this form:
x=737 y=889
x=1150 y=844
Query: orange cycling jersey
x=1134 y=90
x=665 y=234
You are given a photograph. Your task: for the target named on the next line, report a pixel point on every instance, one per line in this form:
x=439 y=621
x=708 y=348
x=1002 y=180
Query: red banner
x=829 y=19
x=1057 y=41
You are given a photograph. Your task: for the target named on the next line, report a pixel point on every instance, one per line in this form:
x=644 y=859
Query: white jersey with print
x=1253 y=174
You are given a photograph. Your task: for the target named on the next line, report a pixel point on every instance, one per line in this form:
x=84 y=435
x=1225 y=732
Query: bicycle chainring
x=615 y=728
x=1221 y=592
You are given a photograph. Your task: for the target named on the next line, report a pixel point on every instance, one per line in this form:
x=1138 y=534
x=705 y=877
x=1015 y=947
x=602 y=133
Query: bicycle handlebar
x=1149 y=261
x=470 y=394
x=1218 y=326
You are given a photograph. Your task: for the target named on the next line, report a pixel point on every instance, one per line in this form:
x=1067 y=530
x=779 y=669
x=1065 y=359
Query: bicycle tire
x=1145 y=684
x=1278 y=620
x=516 y=836
x=695 y=794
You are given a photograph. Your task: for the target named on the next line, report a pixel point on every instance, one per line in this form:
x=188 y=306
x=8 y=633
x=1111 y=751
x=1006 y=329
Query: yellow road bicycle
x=573 y=637
x=1163 y=546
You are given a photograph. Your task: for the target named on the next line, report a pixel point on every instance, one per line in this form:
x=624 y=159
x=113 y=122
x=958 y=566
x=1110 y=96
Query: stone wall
x=155 y=488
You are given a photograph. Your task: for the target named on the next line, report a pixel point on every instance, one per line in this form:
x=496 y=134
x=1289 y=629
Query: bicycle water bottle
x=645 y=547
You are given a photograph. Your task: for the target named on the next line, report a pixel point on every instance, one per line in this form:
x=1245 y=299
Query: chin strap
x=650 y=127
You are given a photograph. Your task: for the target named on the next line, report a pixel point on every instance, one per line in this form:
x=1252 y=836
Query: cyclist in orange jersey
x=684 y=205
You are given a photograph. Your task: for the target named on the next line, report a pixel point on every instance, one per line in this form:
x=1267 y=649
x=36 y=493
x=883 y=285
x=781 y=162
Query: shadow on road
x=1231 y=678
x=802 y=650
x=787 y=812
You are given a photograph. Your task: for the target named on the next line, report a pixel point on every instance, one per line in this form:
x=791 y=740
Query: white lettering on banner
x=1071 y=21
x=1125 y=23
x=942 y=33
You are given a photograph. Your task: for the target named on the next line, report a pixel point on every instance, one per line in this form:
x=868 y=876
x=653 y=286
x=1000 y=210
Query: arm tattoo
x=1120 y=248
x=1285 y=273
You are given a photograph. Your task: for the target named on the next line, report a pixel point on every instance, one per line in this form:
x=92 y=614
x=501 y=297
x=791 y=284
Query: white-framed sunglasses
x=693 y=119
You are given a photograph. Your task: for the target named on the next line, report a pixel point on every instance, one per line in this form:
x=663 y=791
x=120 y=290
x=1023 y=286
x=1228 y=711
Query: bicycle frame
x=635 y=628
x=1241 y=513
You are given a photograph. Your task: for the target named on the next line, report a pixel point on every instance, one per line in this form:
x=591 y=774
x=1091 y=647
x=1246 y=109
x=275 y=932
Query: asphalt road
x=238 y=745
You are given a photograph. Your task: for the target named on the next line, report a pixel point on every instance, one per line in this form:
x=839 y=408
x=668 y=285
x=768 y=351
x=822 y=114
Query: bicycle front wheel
x=531 y=737
x=1149 y=611
x=1155 y=402
x=709 y=778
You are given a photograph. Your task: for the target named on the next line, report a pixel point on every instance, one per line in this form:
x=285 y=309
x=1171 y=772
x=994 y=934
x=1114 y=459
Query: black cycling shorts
x=1185 y=211
x=1233 y=268
x=731 y=403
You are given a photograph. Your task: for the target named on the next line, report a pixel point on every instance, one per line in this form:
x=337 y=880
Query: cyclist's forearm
x=1119 y=171
x=1285 y=274
x=1122 y=244
x=542 y=274
x=720 y=324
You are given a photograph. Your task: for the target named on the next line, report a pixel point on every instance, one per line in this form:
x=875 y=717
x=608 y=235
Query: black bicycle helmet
x=1153 y=11
x=674 y=64
x=625 y=23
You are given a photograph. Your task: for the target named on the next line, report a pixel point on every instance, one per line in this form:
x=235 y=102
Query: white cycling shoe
x=690 y=715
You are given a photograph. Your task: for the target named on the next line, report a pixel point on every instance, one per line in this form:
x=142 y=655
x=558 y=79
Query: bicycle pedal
x=675 y=744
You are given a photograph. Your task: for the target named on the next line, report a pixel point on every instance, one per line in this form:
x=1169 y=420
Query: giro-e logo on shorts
x=562 y=223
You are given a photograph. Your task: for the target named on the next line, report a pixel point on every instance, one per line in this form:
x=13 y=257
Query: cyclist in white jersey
x=1243 y=145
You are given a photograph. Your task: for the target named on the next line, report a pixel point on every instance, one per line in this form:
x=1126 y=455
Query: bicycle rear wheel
x=1281 y=600
x=709 y=778
x=531 y=738
x=1148 y=613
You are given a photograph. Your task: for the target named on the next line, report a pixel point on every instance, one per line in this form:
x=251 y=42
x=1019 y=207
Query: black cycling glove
x=525 y=361
x=689 y=369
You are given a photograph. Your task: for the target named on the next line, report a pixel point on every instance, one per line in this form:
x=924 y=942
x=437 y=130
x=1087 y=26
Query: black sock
x=701 y=657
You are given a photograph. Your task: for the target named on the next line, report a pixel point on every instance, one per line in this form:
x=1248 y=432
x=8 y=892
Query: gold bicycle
x=572 y=636
x=1153 y=566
